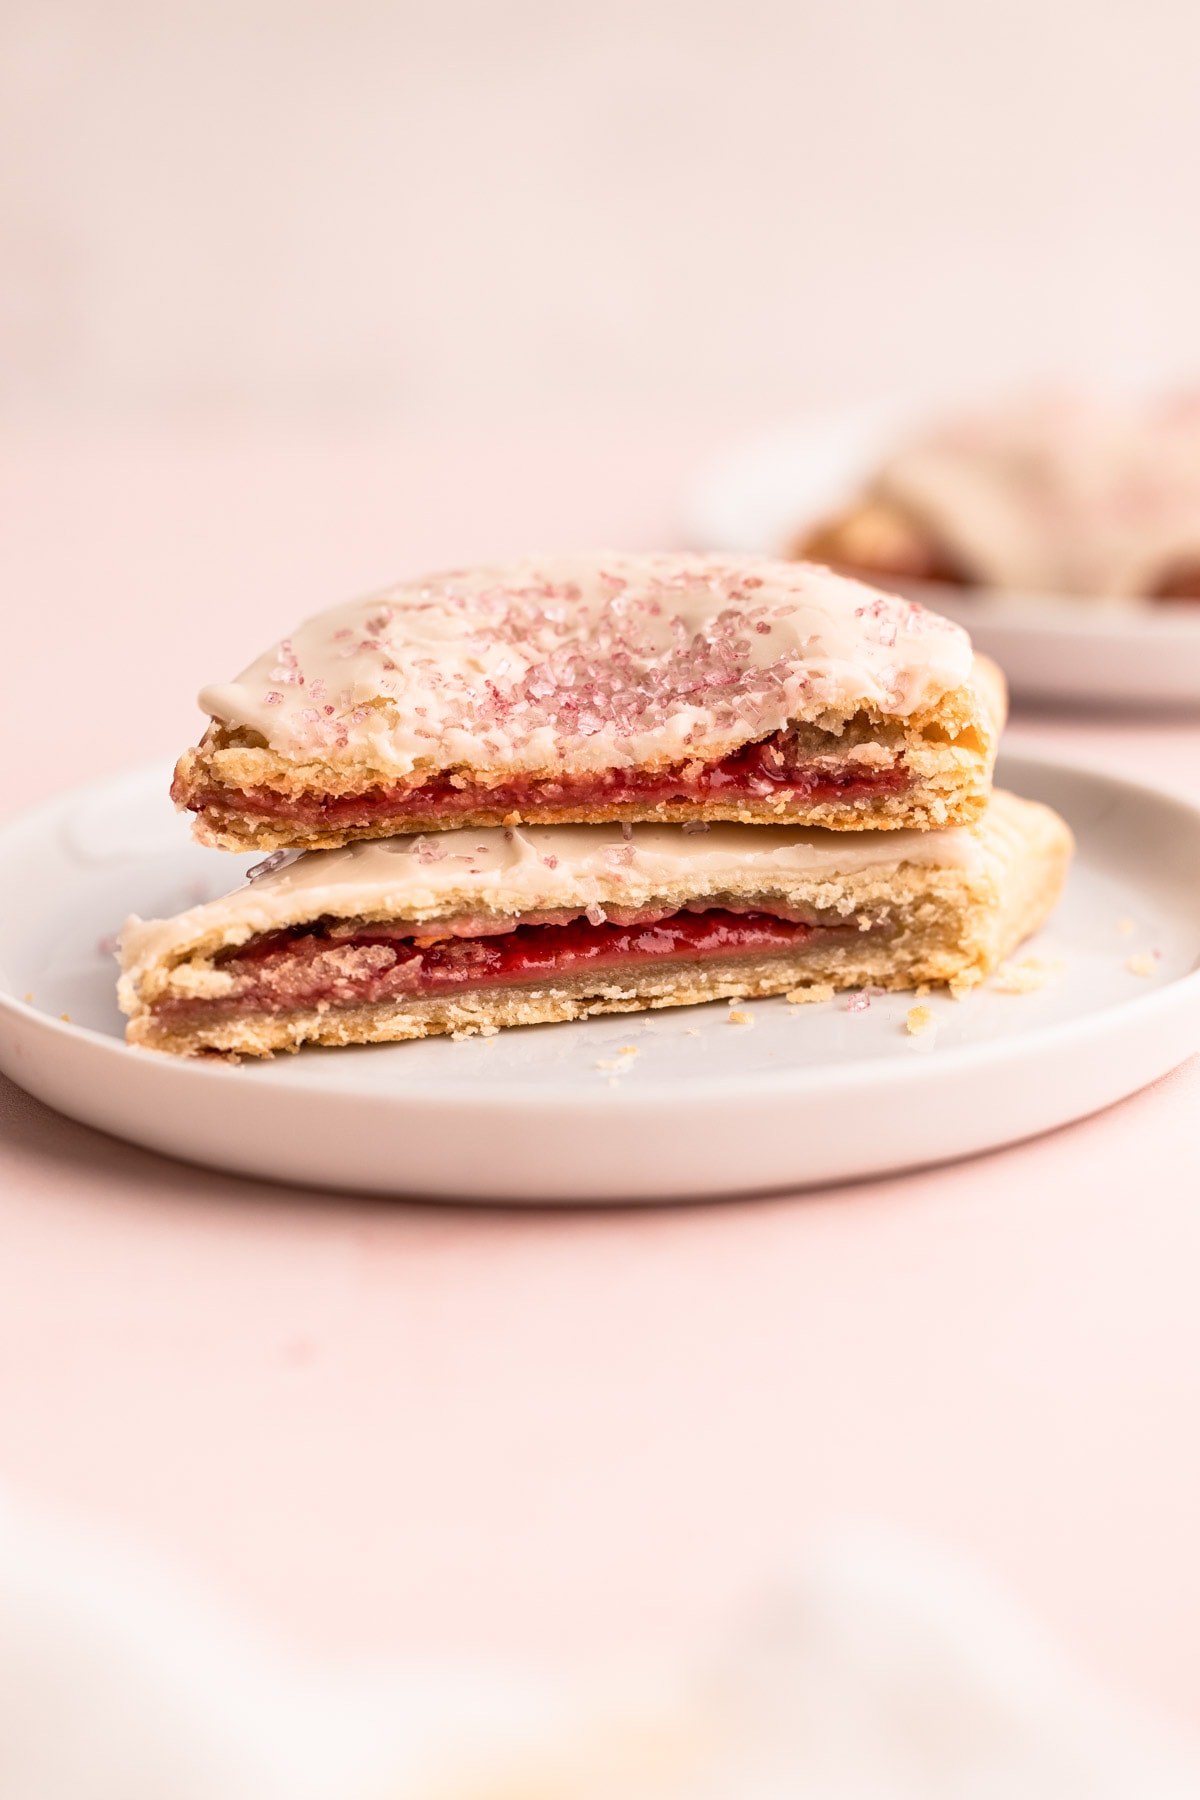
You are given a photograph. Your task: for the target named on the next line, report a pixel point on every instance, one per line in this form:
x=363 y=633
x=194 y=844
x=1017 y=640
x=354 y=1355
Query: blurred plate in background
x=1132 y=653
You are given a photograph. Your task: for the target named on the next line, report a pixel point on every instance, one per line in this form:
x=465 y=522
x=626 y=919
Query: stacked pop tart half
x=592 y=784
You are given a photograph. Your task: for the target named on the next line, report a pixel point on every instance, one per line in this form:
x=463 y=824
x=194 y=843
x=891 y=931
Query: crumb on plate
x=917 y=1019
x=810 y=996
x=1144 y=963
x=1025 y=977
x=741 y=1018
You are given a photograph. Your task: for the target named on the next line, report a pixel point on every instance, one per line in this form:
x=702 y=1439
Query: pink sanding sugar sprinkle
x=596 y=915
x=273 y=699
x=617 y=675
x=659 y=645
x=288 y=667
x=551 y=862
x=861 y=1000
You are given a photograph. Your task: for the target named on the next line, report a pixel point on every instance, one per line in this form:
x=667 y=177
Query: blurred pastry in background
x=1054 y=494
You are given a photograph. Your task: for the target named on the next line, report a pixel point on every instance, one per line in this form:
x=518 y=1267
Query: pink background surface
x=388 y=1426
x=417 y=208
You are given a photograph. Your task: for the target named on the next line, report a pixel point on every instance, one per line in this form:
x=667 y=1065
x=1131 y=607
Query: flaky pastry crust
x=947 y=750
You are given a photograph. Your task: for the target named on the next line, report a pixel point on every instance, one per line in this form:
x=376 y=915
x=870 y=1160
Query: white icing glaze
x=589 y=662
x=543 y=869
x=1059 y=495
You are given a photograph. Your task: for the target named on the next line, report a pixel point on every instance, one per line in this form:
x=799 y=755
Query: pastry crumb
x=962 y=985
x=923 y=990
x=1025 y=977
x=65 y=1017
x=917 y=1019
x=629 y=1050
x=741 y=1018
x=1126 y=926
x=622 y=1060
x=810 y=996
x=692 y=1031
x=29 y=999
x=1144 y=963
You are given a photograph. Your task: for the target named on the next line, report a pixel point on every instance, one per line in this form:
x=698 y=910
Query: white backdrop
x=466 y=206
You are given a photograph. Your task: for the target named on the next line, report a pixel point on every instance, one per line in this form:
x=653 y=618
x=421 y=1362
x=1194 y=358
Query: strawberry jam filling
x=770 y=770
x=305 y=967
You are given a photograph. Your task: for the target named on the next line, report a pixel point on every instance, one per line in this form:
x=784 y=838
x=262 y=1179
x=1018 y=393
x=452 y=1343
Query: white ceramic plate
x=1052 y=647
x=806 y=1094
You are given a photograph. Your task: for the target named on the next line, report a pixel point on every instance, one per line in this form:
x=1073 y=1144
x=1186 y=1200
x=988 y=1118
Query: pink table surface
x=400 y=1427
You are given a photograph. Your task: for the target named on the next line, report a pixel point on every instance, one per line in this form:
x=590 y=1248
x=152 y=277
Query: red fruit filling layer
x=762 y=771
x=293 y=970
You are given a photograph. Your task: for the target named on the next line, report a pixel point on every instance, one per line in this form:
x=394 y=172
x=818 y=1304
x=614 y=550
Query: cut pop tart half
x=468 y=931
x=589 y=689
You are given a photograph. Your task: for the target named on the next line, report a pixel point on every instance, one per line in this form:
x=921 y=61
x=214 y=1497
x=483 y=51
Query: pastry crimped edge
x=956 y=925
x=950 y=747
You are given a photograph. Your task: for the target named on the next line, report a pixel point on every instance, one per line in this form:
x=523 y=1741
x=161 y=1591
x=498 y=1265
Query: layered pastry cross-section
x=589 y=689
x=468 y=931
